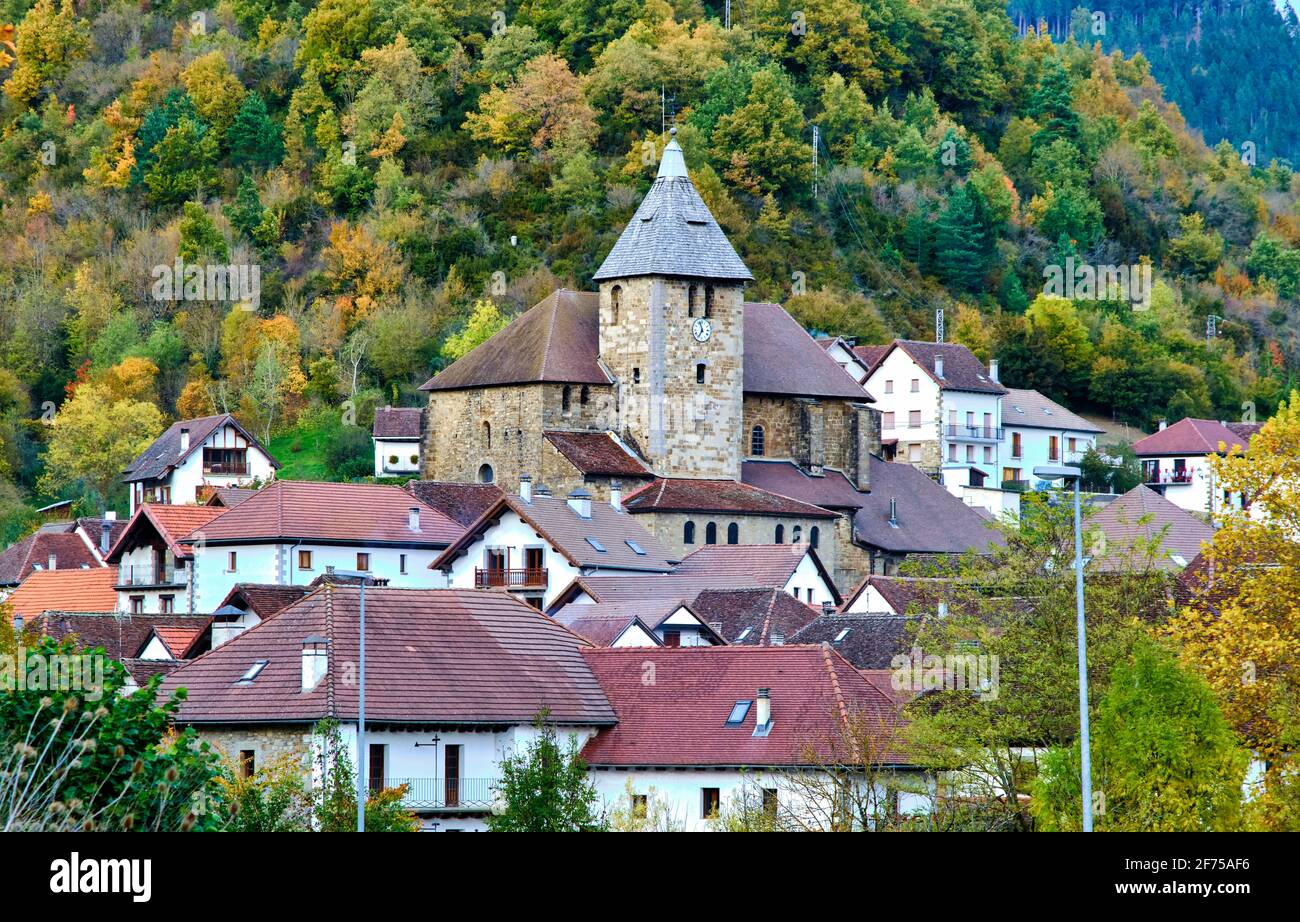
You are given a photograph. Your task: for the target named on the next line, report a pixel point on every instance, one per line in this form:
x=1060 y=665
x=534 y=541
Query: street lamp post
x=362 y=577
x=1070 y=472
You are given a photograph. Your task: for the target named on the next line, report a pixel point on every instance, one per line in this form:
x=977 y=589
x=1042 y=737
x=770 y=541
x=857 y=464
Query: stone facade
x=678 y=398
x=267 y=743
x=815 y=434
x=670 y=528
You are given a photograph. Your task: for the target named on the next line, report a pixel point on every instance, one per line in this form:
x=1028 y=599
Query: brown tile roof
x=93 y=526
x=597 y=453
x=753 y=617
x=868 y=641
x=781 y=358
x=907 y=594
x=1143 y=515
x=630 y=587
x=265 y=600
x=460 y=502
x=679 y=719
x=602 y=623
x=432 y=656
x=20 y=560
x=351 y=513
x=229 y=496
x=165 y=452
x=65 y=590
x=1190 y=437
x=179 y=639
x=872 y=355
x=962 y=371
x=142 y=670
x=1030 y=408
x=679 y=494
x=398 y=423
x=120 y=634
x=556 y=341
x=569 y=533
x=173 y=524
x=765 y=564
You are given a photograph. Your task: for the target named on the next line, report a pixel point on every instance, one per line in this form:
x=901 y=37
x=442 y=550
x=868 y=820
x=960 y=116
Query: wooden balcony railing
x=526 y=578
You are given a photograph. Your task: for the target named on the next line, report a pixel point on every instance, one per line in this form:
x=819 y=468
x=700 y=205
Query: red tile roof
x=65 y=590
x=769 y=565
x=263 y=599
x=679 y=719
x=1140 y=516
x=180 y=639
x=679 y=494
x=432 y=656
x=962 y=371
x=754 y=617
x=351 y=513
x=120 y=634
x=20 y=560
x=866 y=641
x=460 y=502
x=1190 y=437
x=166 y=453
x=398 y=423
x=597 y=453
x=174 y=524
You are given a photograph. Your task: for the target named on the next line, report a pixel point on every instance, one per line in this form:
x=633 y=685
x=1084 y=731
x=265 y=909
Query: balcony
x=974 y=433
x=469 y=794
x=1016 y=486
x=1158 y=477
x=148 y=575
x=226 y=468
x=527 y=578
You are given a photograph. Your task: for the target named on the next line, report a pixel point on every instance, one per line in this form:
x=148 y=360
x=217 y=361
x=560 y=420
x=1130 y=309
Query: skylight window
x=253 y=672
x=841 y=635
x=1020 y=410
x=739 y=711
x=638 y=549
x=743 y=634
x=596 y=544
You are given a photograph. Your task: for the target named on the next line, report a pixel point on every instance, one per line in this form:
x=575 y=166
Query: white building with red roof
x=1174 y=462
x=154 y=559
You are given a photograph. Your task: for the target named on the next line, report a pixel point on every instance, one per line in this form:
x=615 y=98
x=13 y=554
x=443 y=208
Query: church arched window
x=780 y=534
x=688 y=533
x=711 y=533
x=487 y=434
x=615 y=302
x=566 y=398
x=757 y=442
x=692 y=299
x=708 y=300
x=814 y=535
x=796 y=535
x=699 y=373
x=733 y=533
x=485 y=474
x=584 y=395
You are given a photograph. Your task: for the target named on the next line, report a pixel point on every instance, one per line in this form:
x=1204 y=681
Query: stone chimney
x=413 y=518
x=105 y=534
x=526 y=488
x=185 y=439
x=993 y=369
x=616 y=494
x=315 y=661
x=580 y=502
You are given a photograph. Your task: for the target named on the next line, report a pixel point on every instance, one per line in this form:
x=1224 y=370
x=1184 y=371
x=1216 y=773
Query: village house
x=292 y=532
x=1174 y=463
x=88 y=590
x=646 y=623
x=666 y=371
x=78 y=544
x=248 y=605
x=1037 y=432
x=730 y=733
x=754 y=617
x=534 y=544
x=939 y=405
x=463 y=503
x=195 y=456
x=154 y=559
x=1143 y=530
x=455 y=680
x=846 y=356
x=397 y=434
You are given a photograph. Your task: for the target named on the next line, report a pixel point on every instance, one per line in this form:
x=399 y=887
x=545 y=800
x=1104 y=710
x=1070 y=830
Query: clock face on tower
x=701 y=329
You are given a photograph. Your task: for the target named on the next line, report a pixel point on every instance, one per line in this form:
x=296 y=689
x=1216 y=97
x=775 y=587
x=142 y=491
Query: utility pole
x=817 y=139
x=1211 y=327
x=727 y=20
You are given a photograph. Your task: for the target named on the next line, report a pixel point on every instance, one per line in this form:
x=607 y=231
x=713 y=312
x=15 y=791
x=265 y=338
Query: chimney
x=616 y=494
x=580 y=502
x=315 y=660
x=185 y=439
x=526 y=488
x=763 y=709
x=828 y=608
x=52 y=563
x=938 y=366
x=18 y=623
x=893 y=512
x=993 y=369
x=413 y=518
x=776 y=639
x=1162 y=425
x=542 y=491
x=105 y=534
x=943 y=609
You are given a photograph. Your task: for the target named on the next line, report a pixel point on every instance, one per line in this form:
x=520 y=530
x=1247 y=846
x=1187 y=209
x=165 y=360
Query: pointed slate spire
x=673 y=233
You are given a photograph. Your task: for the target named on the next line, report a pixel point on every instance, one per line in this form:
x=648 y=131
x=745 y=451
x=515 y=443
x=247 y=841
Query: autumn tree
x=93 y=438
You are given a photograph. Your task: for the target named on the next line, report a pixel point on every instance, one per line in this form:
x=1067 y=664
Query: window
x=401 y=563
x=375 y=769
x=988 y=454
x=780 y=534
x=615 y=303
x=739 y=711
x=757 y=441
x=796 y=534
x=889 y=385
x=363 y=561
x=451 y=772
x=952 y=418
x=496 y=559
x=672 y=638
x=584 y=395
x=137 y=605
x=636 y=375
x=1010 y=474
x=1073 y=445
x=970 y=419
x=232 y=561
x=699 y=373
x=692 y=299
x=952 y=451
x=814 y=536
x=566 y=398
x=711 y=533
x=887 y=420
x=166 y=604
x=225 y=460
x=636 y=548
x=247 y=762
x=914 y=452
x=487 y=434
x=733 y=533
x=970 y=452
x=1017 y=450
x=769 y=801
x=1054 y=448
x=304 y=560
x=688 y=533
x=710 y=802
x=253 y=672
x=916 y=385
x=914 y=419
x=708 y=300
x=485 y=473
x=596 y=544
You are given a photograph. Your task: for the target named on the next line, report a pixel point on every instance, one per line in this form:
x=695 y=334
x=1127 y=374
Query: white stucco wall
x=1035 y=448
x=514 y=534
x=188 y=476
x=404 y=450
x=807 y=584
x=1202 y=495
x=899 y=368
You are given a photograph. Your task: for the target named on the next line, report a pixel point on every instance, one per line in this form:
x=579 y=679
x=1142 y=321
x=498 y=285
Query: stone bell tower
x=672 y=330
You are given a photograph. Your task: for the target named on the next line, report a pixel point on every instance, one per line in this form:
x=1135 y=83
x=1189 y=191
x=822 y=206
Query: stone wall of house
x=267 y=742
x=683 y=426
x=814 y=434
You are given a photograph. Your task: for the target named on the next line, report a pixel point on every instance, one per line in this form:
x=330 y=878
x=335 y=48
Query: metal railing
x=989 y=433
x=1016 y=486
x=1158 y=476
x=444 y=793
x=525 y=578
x=149 y=575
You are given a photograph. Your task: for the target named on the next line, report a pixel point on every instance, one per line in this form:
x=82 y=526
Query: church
x=666 y=371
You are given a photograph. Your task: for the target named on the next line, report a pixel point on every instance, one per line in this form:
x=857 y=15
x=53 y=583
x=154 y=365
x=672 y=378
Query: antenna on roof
x=938 y=324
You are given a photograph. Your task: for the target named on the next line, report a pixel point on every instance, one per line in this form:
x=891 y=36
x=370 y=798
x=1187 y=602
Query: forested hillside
x=1232 y=66
x=391 y=180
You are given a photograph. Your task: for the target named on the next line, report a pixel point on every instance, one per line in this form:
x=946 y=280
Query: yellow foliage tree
x=362 y=271
x=133 y=378
x=93 y=438
x=217 y=93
